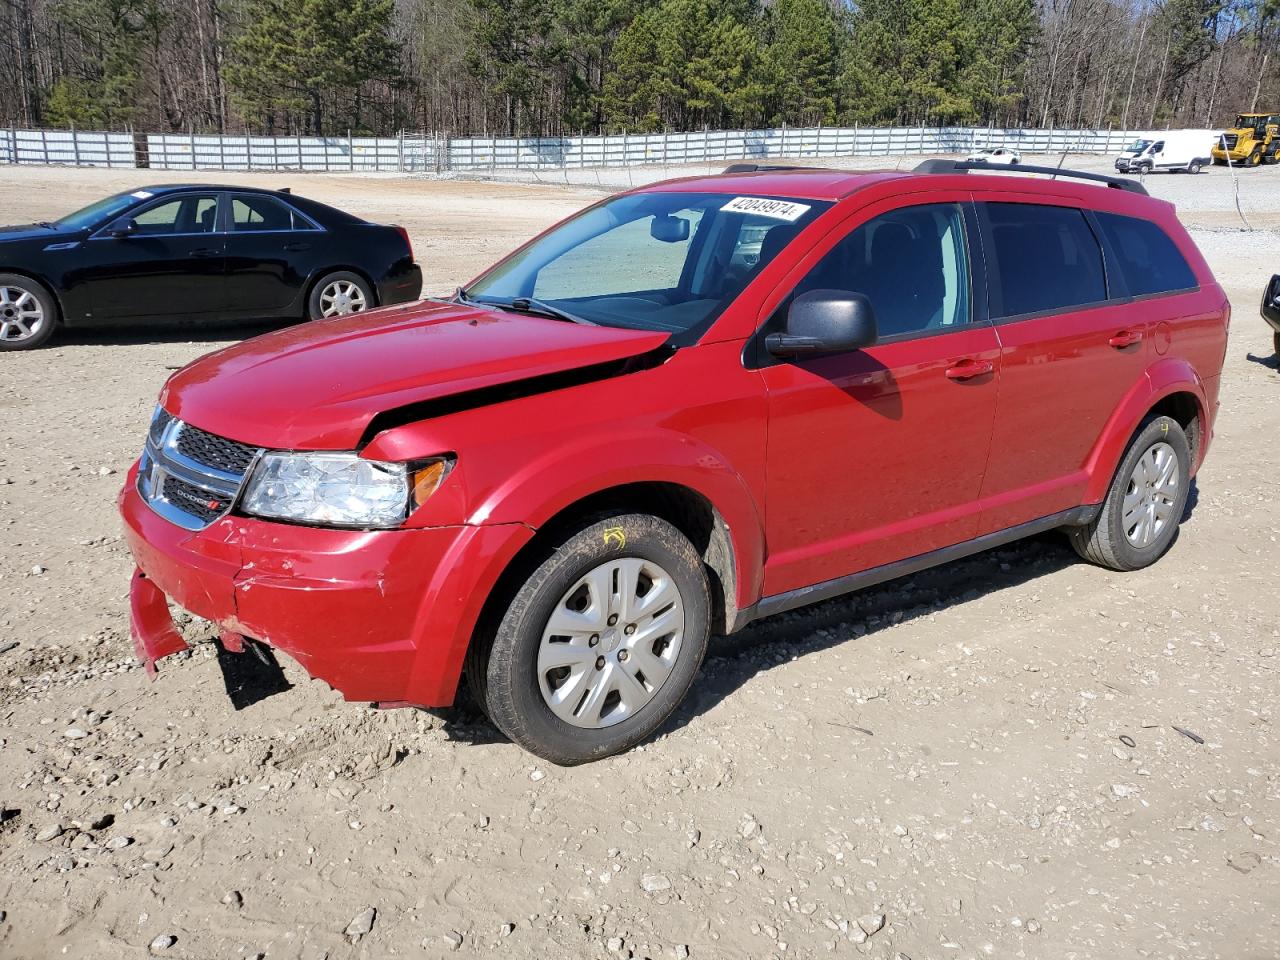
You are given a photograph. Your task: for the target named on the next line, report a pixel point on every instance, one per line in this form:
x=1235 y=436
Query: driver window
x=628 y=255
x=196 y=214
x=912 y=264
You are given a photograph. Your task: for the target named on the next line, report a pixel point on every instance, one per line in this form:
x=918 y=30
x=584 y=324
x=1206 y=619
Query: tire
x=1105 y=541
x=338 y=294
x=585 y=672
x=28 y=313
x=1255 y=158
x=1194 y=167
x=1275 y=342
x=1219 y=163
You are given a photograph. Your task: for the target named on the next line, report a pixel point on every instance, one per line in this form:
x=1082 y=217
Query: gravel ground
x=1015 y=755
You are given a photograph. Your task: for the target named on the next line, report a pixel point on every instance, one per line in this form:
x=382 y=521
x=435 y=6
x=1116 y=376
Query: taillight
x=407 y=242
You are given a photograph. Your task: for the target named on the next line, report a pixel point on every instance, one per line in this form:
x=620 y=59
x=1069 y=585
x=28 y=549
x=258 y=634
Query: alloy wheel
x=342 y=297
x=21 y=315
x=1151 y=495
x=610 y=643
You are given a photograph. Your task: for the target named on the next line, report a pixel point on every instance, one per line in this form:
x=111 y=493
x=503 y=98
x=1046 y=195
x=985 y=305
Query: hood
x=33 y=231
x=317 y=385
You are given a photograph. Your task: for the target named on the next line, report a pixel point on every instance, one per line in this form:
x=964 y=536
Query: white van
x=1171 y=150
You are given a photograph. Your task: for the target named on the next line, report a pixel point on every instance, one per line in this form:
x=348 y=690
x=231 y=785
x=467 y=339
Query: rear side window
x=1149 y=259
x=258 y=214
x=1047 y=259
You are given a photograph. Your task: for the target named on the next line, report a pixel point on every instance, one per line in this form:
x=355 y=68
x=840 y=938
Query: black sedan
x=197 y=251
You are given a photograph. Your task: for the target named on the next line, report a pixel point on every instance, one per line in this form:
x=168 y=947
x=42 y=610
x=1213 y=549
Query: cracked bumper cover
x=378 y=615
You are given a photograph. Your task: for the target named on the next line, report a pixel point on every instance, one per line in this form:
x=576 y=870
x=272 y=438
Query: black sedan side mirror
x=825 y=321
x=1271 y=301
x=122 y=228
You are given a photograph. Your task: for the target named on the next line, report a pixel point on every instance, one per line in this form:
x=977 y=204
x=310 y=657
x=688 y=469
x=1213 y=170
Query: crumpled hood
x=317 y=385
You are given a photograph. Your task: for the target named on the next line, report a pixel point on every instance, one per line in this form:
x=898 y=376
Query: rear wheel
x=600 y=644
x=1140 y=515
x=1194 y=166
x=338 y=294
x=28 y=313
x=1275 y=342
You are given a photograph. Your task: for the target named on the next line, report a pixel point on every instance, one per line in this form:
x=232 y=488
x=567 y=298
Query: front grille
x=188 y=476
x=217 y=452
x=1230 y=140
x=191 y=499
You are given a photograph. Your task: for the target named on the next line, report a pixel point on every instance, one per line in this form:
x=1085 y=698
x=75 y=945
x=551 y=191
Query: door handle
x=1125 y=338
x=297 y=246
x=969 y=368
x=203 y=253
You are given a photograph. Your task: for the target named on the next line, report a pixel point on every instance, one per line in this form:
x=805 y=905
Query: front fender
x=574 y=471
x=1162 y=379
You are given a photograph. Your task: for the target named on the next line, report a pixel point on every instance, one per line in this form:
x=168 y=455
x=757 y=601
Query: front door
x=171 y=265
x=878 y=455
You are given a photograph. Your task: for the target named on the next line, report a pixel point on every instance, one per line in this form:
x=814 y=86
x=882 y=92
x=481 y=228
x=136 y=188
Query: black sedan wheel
x=28 y=314
x=338 y=294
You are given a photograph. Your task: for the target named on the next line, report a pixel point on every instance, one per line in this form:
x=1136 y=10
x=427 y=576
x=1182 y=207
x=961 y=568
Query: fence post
x=44 y=146
x=13 y=144
x=75 y=145
x=351 y=150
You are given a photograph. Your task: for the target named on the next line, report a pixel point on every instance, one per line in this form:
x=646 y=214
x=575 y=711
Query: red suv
x=685 y=408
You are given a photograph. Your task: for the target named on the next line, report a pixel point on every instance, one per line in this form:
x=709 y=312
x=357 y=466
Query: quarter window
x=911 y=264
x=1150 y=261
x=1047 y=260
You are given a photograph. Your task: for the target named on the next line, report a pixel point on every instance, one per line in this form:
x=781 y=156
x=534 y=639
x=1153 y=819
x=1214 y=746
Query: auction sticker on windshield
x=764 y=207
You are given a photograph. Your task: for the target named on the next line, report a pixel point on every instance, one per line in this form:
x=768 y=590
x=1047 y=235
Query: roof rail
x=762 y=167
x=964 y=166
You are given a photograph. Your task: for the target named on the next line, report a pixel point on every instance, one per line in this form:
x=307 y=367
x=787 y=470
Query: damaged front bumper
x=380 y=615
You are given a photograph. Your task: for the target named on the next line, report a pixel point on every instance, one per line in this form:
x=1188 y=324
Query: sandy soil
x=982 y=760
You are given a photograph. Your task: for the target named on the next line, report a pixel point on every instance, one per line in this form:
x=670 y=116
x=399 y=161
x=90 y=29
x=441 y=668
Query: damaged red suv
x=690 y=406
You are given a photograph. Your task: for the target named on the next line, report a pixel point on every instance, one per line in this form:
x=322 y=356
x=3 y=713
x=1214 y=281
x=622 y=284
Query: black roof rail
x=964 y=166
x=762 y=167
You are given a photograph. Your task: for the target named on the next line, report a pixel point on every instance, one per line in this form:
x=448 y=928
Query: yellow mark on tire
x=615 y=536
x=1164 y=426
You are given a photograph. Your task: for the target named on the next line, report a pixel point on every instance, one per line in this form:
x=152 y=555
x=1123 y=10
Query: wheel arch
x=1170 y=387
x=44 y=284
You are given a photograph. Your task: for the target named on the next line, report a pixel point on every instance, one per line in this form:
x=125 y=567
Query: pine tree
x=803 y=39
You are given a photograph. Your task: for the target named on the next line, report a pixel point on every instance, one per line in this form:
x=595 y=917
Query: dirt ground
x=987 y=759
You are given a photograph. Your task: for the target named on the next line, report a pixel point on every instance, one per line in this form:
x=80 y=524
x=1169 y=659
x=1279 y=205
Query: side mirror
x=825 y=321
x=668 y=229
x=122 y=228
x=1271 y=301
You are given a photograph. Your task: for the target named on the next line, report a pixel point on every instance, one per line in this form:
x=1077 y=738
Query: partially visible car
x=197 y=251
x=1271 y=310
x=996 y=156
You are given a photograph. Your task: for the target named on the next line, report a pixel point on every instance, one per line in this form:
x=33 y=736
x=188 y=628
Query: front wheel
x=28 y=314
x=338 y=294
x=601 y=642
x=1140 y=515
x=1275 y=342
x=1255 y=158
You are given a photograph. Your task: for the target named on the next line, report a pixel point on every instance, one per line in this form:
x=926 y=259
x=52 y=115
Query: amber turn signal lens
x=426 y=480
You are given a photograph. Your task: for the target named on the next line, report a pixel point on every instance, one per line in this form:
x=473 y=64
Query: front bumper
x=378 y=615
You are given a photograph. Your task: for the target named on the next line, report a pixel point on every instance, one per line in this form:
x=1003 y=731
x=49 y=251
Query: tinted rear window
x=1047 y=257
x=1149 y=259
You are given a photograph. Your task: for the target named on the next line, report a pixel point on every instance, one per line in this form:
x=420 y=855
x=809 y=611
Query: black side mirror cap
x=122 y=228
x=1271 y=301
x=825 y=321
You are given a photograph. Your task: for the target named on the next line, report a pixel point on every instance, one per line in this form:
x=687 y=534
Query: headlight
x=339 y=489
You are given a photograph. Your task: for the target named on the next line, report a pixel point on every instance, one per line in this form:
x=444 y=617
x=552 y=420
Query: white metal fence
x=422 y=153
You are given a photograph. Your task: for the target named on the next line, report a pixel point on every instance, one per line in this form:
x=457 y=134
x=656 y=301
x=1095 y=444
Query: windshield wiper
x=530 y=305
x=46 y=224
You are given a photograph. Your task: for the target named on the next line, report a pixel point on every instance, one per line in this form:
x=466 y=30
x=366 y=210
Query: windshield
x=101 y=210
x=1137 y=146
x=668 y=262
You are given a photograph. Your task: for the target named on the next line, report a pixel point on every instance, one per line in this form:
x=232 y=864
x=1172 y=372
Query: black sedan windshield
x=650 y=261
x=100 y=211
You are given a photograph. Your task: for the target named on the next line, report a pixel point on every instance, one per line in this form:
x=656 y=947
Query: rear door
x=170 y=266
x=271 y=248
x=877 y=455
x=1070 y=349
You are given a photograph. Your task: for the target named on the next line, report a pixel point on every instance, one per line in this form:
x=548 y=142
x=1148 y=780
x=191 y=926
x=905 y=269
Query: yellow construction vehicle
x=1253 y=141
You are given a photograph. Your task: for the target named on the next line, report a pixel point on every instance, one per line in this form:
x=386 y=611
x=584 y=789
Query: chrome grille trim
x=162 y=460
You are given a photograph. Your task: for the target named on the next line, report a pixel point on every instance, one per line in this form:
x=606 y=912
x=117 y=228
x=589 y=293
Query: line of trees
x=554 y=67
